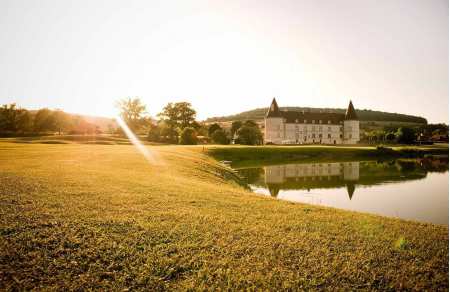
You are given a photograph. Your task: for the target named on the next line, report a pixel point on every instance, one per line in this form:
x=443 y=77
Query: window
x=329 y=129
x=349 y=136
x=296 y=120
x=340 y=136
x=329 y=122
x=313 y=121
x=314 y=135
x=305 y=122
x=320 y=121
x=329 y=136
x=320 y=136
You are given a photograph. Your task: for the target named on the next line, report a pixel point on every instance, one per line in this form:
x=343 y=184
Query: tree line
x=408 y=135
x=15 y=121
x=177 y=124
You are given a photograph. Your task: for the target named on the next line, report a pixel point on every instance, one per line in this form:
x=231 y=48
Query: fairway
x=77 y=216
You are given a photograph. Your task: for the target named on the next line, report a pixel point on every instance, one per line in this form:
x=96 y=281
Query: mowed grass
x=101 y=217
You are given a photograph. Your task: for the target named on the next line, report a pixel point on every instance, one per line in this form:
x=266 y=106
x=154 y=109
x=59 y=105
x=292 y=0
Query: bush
x=249 y=136
x=188 y=136
x=406 y=135
x=220 y=137
x=214 y=127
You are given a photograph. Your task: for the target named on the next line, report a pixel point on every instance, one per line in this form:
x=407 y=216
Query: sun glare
x=150 y=156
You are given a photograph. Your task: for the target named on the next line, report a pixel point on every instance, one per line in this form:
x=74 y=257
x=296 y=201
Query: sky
x=226 y=57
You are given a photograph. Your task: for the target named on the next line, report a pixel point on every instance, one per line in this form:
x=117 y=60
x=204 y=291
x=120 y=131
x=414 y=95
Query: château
x=305 y=127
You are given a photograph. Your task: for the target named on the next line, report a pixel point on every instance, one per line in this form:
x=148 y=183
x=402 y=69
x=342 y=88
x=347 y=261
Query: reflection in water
x=354 y=177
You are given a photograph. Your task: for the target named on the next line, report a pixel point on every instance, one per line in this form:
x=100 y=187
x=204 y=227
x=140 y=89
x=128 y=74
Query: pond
x=409 y=189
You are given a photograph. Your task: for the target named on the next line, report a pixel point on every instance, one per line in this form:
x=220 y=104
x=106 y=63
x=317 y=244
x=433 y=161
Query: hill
x=364 y=115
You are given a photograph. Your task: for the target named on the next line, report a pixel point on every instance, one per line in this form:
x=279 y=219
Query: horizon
x=226 y=58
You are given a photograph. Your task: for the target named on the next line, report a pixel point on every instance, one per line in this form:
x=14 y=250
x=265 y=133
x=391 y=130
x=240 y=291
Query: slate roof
x=301 y=117
x=350 y=114
x=305 y=117
x=273 y=111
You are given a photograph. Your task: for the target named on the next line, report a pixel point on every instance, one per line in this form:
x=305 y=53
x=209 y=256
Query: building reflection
x=349 y=175
x=311 y=176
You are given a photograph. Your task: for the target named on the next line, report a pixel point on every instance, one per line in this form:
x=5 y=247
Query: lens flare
x=150 y=156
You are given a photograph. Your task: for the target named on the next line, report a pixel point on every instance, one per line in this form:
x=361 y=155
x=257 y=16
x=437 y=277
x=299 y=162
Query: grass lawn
x=80 y=216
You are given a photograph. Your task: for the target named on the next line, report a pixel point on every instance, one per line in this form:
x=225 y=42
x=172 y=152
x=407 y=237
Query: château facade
x=301 y=127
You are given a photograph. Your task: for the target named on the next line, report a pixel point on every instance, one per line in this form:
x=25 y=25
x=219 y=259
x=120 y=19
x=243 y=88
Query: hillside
x=364 y=115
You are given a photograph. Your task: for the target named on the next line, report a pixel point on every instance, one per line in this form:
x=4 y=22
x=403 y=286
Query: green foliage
x=61 y=121
x=390 y=137
x=188 y=136
x=212 y=128
x=250 y=123
x=168 y=133
x=44 y=121
x=247 y=135
x=406 y=135
x=132 y=112
x=13 y=119
x=220 y=137
x=154 y=133
x=401 y=243
x=235 y=125
x=178 y=115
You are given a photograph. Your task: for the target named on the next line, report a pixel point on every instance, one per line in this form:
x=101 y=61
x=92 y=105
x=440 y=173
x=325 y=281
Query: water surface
x=409 y=189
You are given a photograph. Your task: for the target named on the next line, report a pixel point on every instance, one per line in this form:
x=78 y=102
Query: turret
x=274 y=111
x=350 y=114
x=351 y=125
x=274 y=130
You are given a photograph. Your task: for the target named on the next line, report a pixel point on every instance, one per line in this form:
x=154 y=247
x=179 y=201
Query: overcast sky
x=226 y=56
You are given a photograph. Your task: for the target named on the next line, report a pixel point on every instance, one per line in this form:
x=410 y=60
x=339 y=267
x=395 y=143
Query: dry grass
x=100 y=217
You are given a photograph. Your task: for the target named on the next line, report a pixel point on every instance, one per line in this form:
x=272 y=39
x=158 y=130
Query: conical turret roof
x=273 y=111
x=350 y=114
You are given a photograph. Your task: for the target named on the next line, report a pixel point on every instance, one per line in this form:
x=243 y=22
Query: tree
x=14 y=120
x=390 y=137
x=234 y=127
x=43 y=121
x=178 y=115
x=188 y=136
x=132 y=112
x=154 y=133
x=406 y=135
x=249 y=135
x=220 y=137
x=212 y=128
x=60 y=121
x=250 y=123
x=168 y=134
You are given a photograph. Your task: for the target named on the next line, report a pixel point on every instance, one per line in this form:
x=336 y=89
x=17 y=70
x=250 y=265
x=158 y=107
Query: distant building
x=303 y=127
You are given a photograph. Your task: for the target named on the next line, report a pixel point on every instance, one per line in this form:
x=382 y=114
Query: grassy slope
x=99 y=216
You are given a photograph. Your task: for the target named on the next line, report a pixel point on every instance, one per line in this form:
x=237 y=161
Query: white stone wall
x=351 y=132
x=278 y=132
x=274 y=130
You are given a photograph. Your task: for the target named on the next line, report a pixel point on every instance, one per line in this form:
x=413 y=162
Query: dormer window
x=305 y=122
x=320 y=121
x=296 y=121
x=313 y=121
x=329 y=122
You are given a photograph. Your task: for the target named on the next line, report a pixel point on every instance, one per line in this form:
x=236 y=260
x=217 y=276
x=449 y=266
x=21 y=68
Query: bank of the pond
x=249 y=155
x=77 y=217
